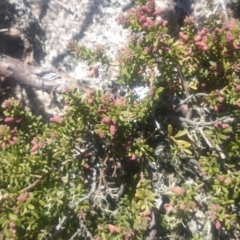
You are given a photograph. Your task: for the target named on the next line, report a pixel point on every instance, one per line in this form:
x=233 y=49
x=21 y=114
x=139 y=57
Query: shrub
x=121 y=167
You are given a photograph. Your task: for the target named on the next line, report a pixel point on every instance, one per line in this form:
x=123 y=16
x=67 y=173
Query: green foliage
x=93 y=174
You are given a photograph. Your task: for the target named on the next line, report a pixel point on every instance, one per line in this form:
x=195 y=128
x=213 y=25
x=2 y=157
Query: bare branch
x=83 y=228
x=75 y=204
x=4 y=30
x=29 y=187
x=37 y=77
x=79 y=156
x=204 y=124
x=192 y=96
x=222 y=155
x=92 y=190
x=184 y=81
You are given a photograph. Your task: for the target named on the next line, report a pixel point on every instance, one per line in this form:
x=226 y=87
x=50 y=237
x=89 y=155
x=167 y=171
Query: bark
x=46 y=79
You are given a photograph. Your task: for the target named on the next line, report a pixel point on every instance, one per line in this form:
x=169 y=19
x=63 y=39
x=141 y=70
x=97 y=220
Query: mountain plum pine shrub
x=117 y=167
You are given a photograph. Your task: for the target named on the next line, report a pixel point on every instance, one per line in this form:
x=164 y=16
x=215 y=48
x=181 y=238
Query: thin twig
x=4 y=30
x=74 y=204
x=92 y=190
x=204 y=124
x=76 y=234
x=82 y=227
x=29 y=187
x=184 y=81
x=79 y=156
x=224 y=10
x=222 y=155
x=185 y=86
x=192 y=96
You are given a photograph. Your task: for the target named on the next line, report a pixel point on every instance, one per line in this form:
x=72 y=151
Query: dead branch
x=225 y=119
x=50 y=79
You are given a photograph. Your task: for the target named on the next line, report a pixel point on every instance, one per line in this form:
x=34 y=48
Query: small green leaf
x=180 y=134
x=184 y=143
x=42 y=203
x=30 y=206
x=57 y=154
x=12 y=216
x=170 y=130
x=187 y=151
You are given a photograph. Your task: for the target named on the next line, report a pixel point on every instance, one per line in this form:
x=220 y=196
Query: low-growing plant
x=119 y=167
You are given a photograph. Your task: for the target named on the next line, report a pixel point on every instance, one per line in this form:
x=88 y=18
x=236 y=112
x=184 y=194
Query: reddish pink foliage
x=107 y=120
x=160 y=22
x=183 y=37
x=16 y=210
x=204 y=39
x=227 y=181
x=235 y=46
x=120 y=101
x=177 y=190
x=217 y=31
x=201 y=45
x=151 y=6
x=225 y=125
x=114 y=229
x=23 y=197
x=89 y=93
x=165 y=23
x=237 y=89
x=145 y=214
x=17 y=120
x=3 y=145
x=56 y=119
x=146 y=50
x=229 y=37
x=142 y=20
x=216 y=108
x=34 y=142
x=217 y=125
x=34 y=148
x=112 y=129
x=232 y=23
x=145 y=26
x=145 y=9
x=220 y=99
x=202 y=173
x=14 y=131
x=215 y=207
x=90 y=101
x=168 y=207
x=138 y=13
x=150 y=22
x=133 y=157
x=9 y=119
x=158 y=11
x=150 y=91
x=154 y=49
x=217 y=224
x=12 y=225
x=129 y=235
x=12 y=140
x=203 y=32
x=14 y=231
x=221 y=178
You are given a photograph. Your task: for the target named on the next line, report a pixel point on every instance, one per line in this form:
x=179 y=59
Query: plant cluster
x=119 y=167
